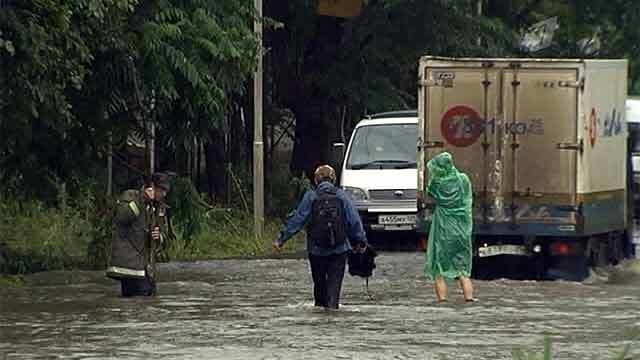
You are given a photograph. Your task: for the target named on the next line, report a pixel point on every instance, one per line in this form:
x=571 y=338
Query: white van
x=379 y=171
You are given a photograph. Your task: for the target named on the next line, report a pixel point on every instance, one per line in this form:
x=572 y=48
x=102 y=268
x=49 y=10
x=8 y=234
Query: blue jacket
x=354 y=229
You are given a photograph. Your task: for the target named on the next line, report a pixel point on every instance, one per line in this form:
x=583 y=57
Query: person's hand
x=155 y=234
x=277 y=246
x=360 y=247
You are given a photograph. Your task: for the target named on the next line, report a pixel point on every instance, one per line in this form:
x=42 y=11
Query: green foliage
x=74 y=233
x=188 y=210
x=99 y=212
x=11 y=281
x=34 y=237
x=608 y=25
x=230 y=235
x=48 y=57
x=77 y=73
x=204 y=232
x=77 y=232
x=192 y=55
x=286 y=193
x=80 y=72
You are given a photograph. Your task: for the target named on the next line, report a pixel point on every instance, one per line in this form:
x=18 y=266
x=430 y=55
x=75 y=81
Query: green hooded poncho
x=449 y=247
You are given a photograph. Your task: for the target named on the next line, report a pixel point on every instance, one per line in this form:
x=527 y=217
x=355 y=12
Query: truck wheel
x=627 y=244
x=602 y=257
x=539 y=267
x=615 y=249
x=596 y=252
x=481 y=270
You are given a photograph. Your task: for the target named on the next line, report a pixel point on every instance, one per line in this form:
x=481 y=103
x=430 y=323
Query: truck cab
x=379 y=171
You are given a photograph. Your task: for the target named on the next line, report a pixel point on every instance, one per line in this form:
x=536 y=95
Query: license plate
x=397 y=219
x=502 y=250
x=399 y=227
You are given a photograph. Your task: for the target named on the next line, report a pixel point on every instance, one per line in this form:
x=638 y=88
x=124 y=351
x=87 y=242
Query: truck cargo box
x=544 y=141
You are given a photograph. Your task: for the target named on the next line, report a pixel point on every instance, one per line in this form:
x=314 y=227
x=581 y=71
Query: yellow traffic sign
x=340 y=8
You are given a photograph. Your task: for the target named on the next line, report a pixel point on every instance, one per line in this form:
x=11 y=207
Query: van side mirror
x=337 y=154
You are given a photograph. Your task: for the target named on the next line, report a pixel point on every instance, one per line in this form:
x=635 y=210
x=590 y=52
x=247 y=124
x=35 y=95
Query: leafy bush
x=35 y=237
x=227 y=234
x=76 y=232
x=207 y=232
x=188 y=210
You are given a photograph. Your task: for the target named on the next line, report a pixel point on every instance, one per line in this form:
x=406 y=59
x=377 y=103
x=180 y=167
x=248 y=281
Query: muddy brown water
x=262 y=309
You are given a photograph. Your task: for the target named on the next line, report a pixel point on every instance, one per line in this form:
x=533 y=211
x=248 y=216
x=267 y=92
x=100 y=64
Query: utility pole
x=258 y=145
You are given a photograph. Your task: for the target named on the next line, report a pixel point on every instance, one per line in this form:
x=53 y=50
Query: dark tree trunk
x=215 y=163
x=315 y=111
x=309 y=149
x=293 y=58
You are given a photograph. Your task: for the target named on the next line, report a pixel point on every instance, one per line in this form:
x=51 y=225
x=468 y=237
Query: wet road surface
x=262 y=309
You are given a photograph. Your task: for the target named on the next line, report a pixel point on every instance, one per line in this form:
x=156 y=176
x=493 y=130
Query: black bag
x=327 y=227
x=362 y=263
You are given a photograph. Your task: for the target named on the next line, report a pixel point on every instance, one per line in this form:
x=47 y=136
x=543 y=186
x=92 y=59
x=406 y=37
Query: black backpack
x=327 y=226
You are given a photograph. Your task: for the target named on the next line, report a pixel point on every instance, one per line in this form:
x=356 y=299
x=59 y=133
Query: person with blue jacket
x=334 y=229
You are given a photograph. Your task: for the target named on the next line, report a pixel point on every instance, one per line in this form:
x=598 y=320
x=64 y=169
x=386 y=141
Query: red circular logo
x=461 y=126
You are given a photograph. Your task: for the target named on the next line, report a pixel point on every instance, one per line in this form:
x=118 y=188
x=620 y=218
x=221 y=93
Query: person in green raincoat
x=449 y=246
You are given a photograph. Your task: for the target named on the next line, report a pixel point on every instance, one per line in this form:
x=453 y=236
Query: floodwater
x=262 y=309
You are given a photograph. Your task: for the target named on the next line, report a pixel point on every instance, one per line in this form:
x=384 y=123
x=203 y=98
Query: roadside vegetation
x=75 y=233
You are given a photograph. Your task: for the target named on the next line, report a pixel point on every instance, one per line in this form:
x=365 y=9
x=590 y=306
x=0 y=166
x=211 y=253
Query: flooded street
x=262 y=309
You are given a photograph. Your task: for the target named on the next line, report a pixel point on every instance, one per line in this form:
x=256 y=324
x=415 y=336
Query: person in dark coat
x=140 y=226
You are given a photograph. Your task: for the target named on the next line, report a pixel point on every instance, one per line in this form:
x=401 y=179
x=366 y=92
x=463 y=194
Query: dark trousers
x=327 y=273
x=137 y=287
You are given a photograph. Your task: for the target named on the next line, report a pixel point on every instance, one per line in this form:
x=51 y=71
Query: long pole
x=110 y=166
x=152 y=149
x=258 y=145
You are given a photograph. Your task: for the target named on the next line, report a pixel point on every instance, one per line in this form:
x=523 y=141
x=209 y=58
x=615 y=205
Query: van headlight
x=356 y=193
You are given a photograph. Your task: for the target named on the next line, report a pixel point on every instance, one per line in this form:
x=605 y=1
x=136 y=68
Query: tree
x=77 y=73
x=588 y=29
x=324 y=68
x=45 y=56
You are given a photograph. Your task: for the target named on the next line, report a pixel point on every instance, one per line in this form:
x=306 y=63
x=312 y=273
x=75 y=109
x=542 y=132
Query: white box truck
x=544 y=142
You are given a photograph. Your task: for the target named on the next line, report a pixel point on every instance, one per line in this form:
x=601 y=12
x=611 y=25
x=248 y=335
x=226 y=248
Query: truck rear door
x=510 y=127
x=457 y=100
x=540 y=112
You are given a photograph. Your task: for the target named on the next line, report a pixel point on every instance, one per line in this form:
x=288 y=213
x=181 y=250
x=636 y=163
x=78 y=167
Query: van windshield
x=391 y=146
